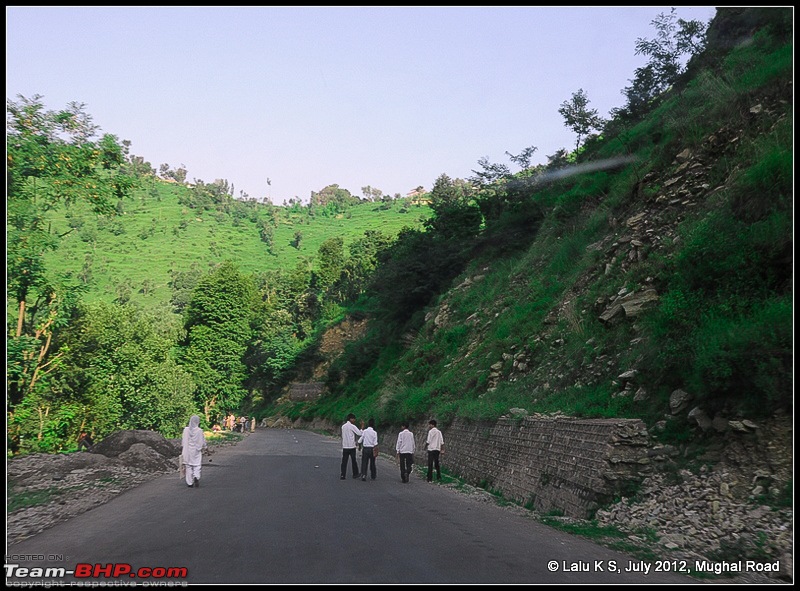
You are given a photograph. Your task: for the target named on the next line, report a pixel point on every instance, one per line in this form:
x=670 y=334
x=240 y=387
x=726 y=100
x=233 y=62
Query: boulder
x=121 y=441
x=144 y=458
x=678 y=401
x=699 y=416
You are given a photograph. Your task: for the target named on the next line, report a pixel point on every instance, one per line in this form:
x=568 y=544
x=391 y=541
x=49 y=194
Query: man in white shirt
x=434 y=445
x=405 y=451
x=369 y=450
x=349 y=434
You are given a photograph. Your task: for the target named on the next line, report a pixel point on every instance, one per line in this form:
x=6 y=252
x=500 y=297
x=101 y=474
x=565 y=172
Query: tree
x=674 y=39
x=523 y=159
x=267 y=235
x=116 y=372
x=218 y=331
x=371 y=193
x=490 y=173
x=296 y=240
x=446 y=192
x=359 y=266
x=138 y=166
x=52 y=159
x=454 y=213
x=334 y=196
x=578 y=117
x=558 y=160
x=274 y=351
x=331 y=260
x=182 y=284
x=178 y=175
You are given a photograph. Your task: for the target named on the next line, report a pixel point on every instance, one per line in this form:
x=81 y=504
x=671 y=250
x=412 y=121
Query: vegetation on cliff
x=654 y=258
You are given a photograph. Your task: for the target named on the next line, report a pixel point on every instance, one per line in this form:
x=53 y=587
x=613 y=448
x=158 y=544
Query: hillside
x=652 y=280
x=647 y=276
x=672 y=273
x=154 y=232
x=649 y=269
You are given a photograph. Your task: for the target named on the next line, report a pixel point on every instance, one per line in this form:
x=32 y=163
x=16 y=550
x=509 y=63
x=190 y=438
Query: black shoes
x=343 y=477
x=196 y=483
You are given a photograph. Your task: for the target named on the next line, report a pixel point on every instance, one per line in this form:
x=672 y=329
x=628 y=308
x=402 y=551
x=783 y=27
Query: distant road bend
x=272 y=509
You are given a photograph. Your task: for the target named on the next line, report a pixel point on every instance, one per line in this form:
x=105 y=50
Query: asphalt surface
x=272 y=509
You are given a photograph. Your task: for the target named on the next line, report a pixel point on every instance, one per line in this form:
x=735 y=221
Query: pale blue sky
x=390 y=97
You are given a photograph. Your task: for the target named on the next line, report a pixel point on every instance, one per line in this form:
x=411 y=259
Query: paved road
x=272 y=509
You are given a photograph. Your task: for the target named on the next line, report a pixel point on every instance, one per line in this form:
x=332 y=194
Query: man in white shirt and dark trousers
x=349 y=434
x=405 y=451
x=434 y=445
x=369 y=447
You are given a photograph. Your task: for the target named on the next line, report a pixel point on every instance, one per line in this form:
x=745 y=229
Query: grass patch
x=23 y=500
x=222 y=437
x=638 y=545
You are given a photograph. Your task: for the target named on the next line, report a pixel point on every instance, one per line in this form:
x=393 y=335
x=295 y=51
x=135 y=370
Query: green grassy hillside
x=153 y=234
x=670 y=273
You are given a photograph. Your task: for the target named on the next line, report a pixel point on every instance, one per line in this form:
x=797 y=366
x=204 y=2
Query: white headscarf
x=193 y=442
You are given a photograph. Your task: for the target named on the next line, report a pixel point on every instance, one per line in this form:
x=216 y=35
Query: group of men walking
x=367 y=438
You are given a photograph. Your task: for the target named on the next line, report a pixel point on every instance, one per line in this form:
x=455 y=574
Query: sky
x=282 y=101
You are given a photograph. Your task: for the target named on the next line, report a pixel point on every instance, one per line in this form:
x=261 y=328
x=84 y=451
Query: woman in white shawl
x=194 y=442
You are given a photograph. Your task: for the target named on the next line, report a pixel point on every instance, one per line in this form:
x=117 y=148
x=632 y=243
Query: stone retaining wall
x=305 y=390
x=559 y=465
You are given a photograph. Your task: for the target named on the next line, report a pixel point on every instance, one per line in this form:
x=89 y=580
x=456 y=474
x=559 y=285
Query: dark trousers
x=406 y=461
x=433 y=464
x=349 y=453
x=368 y=458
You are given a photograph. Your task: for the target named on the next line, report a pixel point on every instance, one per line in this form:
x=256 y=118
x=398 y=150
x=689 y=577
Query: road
x=272 y=509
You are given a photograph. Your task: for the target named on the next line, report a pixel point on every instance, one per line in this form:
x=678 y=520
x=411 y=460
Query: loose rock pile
x=736 y=506
x=46 y=489
x=698 y=519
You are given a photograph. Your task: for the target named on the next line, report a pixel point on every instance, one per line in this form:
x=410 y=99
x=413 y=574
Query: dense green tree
x=267 y=235
x=523 y=159
x=410 y=272
x=490 y=173
x=674 y=39
x=274 y=348
x=330 y=261
x=359 y=266
x=447 y=191
x=218 y=332
x=178 y=174
x=52 y=159
x=455 y=214
x=332 y=196
x=116 y=372
x=372 y=193
x=182 y=284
